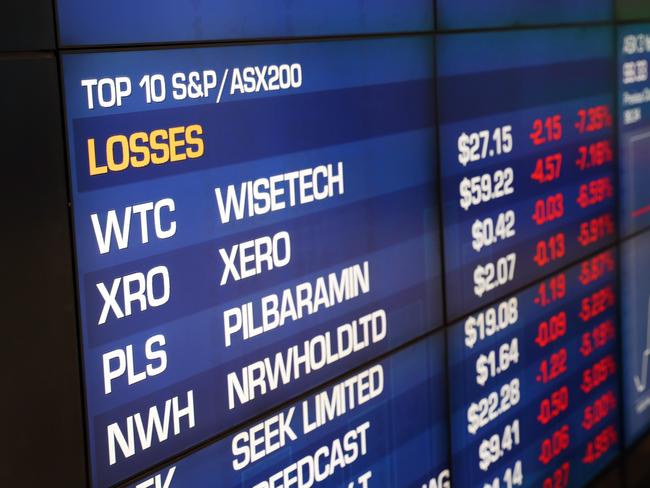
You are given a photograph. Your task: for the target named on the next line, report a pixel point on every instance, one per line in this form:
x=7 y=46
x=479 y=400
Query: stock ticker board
x=268 y=247
x=239 y=246
x=527 y=156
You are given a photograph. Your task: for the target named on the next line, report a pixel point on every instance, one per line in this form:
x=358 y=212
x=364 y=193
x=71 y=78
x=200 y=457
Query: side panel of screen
x=41 y=391
x=634 y=127
x=635 y=314
x=27 y=25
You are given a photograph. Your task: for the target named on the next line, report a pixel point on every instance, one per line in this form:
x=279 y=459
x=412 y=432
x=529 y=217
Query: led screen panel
x=635 y=315
x=534 y=385
x=634 y=127
x=527 y=156
x=384 y=425
x=249 y=223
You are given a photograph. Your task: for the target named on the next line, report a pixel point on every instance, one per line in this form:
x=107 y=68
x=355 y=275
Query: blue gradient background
x=472 y=14
x=88 y=22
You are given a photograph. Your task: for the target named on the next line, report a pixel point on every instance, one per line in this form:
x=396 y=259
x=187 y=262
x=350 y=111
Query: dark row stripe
x=475 y=95
x=196 y=270
x=248 y=130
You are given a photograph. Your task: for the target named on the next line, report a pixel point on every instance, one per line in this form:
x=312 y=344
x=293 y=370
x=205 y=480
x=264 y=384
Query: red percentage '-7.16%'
x=594 y=155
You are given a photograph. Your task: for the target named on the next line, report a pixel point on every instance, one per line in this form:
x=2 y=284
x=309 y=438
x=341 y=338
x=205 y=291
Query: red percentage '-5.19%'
x=597 y=338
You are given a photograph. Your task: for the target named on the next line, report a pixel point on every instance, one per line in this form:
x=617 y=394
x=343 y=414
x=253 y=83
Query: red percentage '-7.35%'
x=593 y=119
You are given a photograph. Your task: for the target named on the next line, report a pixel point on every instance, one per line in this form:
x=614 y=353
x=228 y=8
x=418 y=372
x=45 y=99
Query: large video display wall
x=359 y=243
